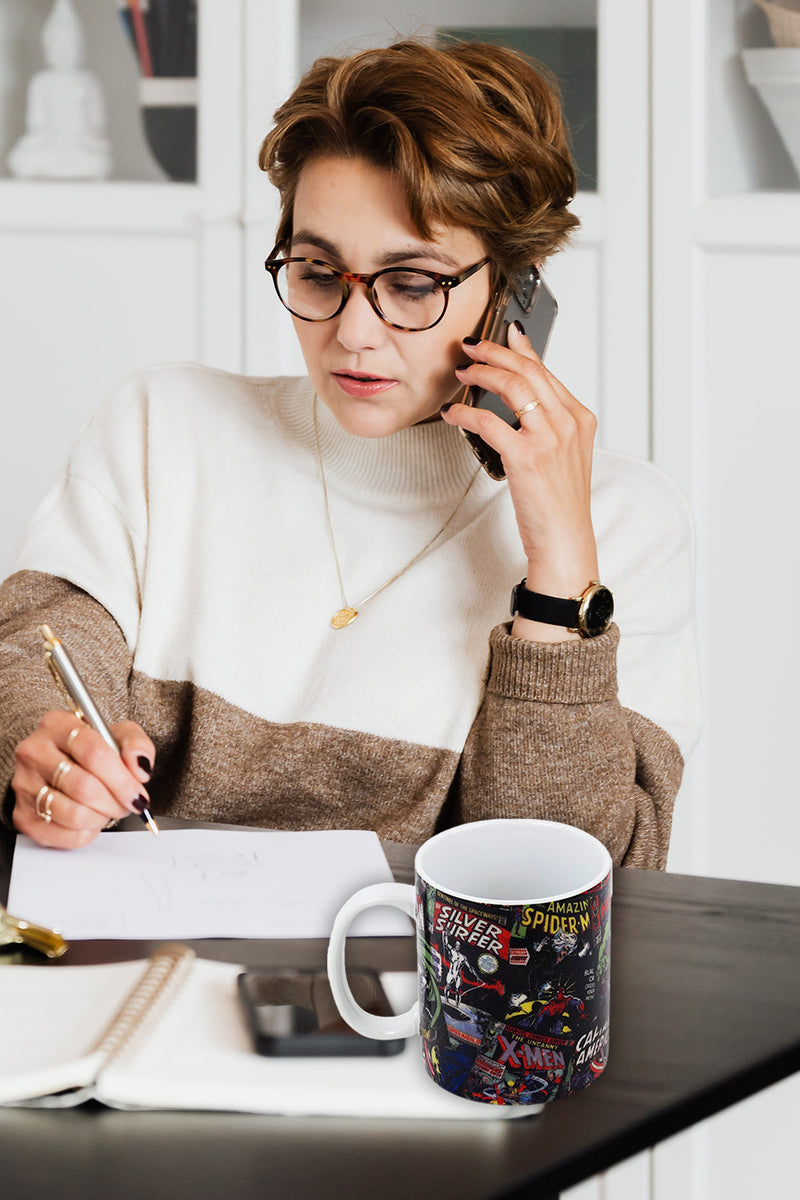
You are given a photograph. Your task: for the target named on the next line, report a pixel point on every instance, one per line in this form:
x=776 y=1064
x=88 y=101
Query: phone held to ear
x=530 y=302
x=291 y=1012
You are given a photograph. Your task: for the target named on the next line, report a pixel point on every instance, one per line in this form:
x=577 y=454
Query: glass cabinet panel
x=562 y=34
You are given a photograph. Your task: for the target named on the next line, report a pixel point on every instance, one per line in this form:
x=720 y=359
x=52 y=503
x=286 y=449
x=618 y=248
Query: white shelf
x=76 y=207
x=744 y=151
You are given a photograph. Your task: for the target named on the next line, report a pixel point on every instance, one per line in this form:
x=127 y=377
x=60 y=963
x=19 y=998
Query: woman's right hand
x=64 y=768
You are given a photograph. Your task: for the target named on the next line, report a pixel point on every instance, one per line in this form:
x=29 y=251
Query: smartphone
x=530 y=302
x=294 y=1013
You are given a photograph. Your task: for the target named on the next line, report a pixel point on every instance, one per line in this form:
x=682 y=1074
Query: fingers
x=541 y=403
x=547 y=458
x=43 y=821
x=516 y=373
x=43 y=815
x=102 y=780
x=68 y=783
x=138 y=752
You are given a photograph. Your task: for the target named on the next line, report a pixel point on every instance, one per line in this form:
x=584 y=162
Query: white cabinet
x=726 y=419
x=99 y=279
x=726 y=423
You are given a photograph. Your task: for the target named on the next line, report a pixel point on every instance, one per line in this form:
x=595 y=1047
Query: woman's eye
x=318 y=279
x=410 y=286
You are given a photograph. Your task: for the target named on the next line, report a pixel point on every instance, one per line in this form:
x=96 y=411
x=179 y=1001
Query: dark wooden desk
x=704 y=1013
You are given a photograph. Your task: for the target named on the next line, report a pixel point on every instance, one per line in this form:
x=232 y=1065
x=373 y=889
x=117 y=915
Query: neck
x=426 y=463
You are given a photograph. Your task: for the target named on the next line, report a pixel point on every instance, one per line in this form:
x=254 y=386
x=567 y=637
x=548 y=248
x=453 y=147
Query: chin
x=372 y=420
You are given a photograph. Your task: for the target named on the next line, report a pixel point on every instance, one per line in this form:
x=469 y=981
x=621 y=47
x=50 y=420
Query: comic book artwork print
x=514 y=1000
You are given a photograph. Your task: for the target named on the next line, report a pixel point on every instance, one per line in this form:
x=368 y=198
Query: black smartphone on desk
x=530 y=302
x=294 y=1013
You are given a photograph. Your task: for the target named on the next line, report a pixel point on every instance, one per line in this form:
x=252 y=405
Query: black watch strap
x=589 y=614
x=550 y=610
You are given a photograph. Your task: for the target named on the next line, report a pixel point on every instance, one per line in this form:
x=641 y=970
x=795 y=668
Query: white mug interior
x=513 y=861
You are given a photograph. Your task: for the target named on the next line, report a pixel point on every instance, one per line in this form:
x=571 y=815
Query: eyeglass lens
x=404 y=297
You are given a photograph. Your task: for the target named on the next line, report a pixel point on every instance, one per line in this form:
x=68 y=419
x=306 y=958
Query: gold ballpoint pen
x=15 y=929
x=66 y=675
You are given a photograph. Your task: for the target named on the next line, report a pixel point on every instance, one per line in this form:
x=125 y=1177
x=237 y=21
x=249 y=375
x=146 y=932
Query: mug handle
x=400 y=1025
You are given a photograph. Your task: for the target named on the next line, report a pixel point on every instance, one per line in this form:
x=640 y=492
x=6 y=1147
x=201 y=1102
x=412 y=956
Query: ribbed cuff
x=582 y=671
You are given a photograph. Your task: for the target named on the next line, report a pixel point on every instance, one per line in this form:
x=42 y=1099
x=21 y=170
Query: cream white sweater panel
x=192 y=509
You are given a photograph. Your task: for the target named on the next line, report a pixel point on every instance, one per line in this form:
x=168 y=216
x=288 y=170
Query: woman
x=214 y=535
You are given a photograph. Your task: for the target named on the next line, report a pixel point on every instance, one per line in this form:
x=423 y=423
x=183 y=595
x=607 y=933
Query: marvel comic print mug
x=513 y=944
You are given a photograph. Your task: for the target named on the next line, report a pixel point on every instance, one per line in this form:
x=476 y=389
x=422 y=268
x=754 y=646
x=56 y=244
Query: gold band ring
x=73 y=733
x=45 y=813
x=60 y=772
x=526 y=408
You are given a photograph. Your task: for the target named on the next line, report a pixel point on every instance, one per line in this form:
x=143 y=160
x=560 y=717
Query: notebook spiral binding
x=167 y=972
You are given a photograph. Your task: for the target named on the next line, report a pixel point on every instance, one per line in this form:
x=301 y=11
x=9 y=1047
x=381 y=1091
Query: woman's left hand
x=548 y=465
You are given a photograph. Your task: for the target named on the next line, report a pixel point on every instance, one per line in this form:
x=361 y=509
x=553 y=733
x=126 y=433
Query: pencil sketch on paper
x=200 y=883
x=232 y=878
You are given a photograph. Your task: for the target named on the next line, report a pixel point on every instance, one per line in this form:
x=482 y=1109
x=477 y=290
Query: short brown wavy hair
x=475 y=132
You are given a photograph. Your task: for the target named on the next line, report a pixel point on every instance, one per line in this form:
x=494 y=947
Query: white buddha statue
x=65 y=118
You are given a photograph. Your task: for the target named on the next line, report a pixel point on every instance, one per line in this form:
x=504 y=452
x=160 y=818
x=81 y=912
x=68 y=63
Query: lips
x=357 y=383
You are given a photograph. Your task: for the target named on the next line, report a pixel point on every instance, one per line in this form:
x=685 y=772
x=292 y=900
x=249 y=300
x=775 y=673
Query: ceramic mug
x=513 y=944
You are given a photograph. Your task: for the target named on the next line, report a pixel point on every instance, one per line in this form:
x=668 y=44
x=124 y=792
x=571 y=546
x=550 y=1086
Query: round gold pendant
x=345 y=616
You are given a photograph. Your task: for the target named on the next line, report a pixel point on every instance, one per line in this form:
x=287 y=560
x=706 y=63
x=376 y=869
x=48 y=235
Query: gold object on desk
x=16 y=930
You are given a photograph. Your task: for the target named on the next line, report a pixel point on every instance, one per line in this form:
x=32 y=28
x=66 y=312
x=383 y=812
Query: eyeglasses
x=403 y=297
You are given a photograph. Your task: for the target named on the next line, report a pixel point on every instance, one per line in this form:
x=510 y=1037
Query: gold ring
x=73 y=733
x=60 y=772
x=45 y=813
x=526 y=408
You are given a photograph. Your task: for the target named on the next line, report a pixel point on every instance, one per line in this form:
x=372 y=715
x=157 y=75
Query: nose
x=358 y=325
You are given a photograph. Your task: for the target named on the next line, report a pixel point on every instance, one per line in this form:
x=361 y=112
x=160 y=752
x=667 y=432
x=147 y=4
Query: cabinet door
x=79 y=310
x=726 y=294
x=100 y=279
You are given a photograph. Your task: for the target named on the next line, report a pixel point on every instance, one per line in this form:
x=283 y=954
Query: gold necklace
x=347 y=613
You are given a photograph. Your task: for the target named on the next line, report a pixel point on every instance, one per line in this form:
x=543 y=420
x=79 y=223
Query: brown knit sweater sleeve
x=552 y=741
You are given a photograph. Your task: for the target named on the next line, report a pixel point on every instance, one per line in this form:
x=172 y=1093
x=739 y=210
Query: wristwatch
x=588 y=614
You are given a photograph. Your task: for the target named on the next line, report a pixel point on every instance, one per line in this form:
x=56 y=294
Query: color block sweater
x=185 y=559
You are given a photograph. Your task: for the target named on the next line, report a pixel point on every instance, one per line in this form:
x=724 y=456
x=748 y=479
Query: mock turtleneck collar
x=424 y=464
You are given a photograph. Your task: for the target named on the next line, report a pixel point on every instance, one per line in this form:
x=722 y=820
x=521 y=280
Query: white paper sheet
x=198 y=883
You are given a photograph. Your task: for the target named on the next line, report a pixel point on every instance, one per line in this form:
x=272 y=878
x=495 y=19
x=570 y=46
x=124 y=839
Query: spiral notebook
x=168 y=1033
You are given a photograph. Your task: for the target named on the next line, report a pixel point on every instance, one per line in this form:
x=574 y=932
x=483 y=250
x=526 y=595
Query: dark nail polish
x=446 y=406
x=463 y=366
x=140 y=803
x=145 y=764
x=471 y=341
x=520 y=328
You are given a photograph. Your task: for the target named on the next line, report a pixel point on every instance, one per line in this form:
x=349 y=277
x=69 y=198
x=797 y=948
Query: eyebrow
x=411 y=253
